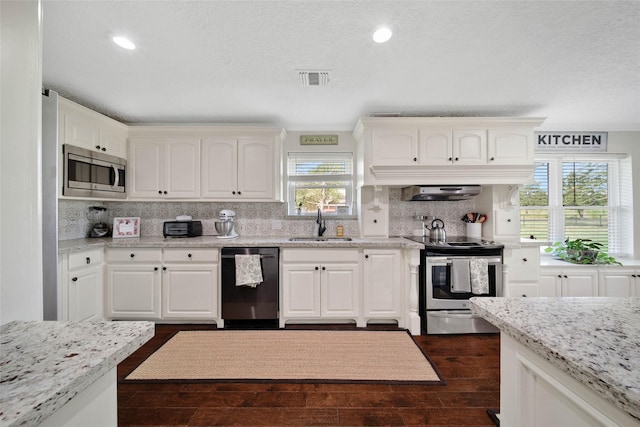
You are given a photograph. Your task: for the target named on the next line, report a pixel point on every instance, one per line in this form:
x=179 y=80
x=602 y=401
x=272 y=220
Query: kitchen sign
x=576 y=142
x=318 y=139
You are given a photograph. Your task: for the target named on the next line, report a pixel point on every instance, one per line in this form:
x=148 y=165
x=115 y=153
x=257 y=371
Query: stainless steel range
x=451 y=272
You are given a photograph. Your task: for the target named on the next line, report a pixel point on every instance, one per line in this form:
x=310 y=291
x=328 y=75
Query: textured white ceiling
x=576 y=62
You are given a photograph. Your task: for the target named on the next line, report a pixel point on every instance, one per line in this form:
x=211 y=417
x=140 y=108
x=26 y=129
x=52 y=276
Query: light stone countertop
x=68 y=246
x=594 y=340
x=45 y=364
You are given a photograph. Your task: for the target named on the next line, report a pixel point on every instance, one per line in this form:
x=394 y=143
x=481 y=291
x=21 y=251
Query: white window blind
x=578 y=198
x=320 y=181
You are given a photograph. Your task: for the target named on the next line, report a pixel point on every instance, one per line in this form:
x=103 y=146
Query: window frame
x=557 y=211
x=320 y=156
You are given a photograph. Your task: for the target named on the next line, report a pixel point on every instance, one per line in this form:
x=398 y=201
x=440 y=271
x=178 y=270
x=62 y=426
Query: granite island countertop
x=68 y=246
x=594 y=340
x=45 y=363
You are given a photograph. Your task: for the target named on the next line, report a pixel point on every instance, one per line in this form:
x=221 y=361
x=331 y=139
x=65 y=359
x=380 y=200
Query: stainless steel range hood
x=440 y=192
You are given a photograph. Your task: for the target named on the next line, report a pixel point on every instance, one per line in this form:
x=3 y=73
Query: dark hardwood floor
x=469 y=363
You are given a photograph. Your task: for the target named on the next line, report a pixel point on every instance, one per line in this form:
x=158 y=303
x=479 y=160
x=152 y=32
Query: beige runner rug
x=289 y=356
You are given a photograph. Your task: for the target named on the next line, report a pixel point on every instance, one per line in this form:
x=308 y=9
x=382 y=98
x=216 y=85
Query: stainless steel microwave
x=91 y=174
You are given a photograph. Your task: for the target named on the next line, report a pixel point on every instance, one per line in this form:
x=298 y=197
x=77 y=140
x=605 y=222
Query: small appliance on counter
x=225 y=227
x=182 y=228
x=99 y=227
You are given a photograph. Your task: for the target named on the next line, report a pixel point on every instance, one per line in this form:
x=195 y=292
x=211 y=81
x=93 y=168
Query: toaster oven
x=182 y=229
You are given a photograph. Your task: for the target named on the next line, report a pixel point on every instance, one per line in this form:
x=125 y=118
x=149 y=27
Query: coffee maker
x=225 y=227
x=99 y=227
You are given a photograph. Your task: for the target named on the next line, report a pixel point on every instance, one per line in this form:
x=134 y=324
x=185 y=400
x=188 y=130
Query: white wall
x=20 y=116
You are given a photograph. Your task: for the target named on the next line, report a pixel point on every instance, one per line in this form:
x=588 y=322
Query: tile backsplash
x=254 y=219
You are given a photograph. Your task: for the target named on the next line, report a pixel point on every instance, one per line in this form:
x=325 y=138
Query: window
x=576 y=198
x=320 y=181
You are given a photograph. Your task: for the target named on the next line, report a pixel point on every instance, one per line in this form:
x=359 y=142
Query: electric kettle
x=436 y=231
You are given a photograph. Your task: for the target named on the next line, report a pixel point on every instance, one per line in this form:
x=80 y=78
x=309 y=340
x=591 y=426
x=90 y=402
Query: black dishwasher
x=246 y=306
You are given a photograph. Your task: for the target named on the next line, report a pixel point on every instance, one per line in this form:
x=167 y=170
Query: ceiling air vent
x=313 y=78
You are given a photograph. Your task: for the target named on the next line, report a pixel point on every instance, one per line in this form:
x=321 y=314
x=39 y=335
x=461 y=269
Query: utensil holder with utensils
x=474 y=230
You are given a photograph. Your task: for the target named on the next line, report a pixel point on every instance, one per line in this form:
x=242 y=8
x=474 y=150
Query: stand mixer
x=225 y=227
x=99 y=227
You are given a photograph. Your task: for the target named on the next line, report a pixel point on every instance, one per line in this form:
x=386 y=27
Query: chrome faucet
x=320 y=222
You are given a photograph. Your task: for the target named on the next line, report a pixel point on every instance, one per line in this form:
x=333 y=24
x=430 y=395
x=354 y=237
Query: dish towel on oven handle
x=479 y=269
x=460 y=276
x=248 y=270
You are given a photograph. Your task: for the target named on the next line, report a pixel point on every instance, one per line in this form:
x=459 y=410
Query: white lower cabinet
x=533 y=392
x=568 y=282
x=83 y=286
x=190 y=284
x=181 y=284
x=133 y=291
x=619 y=282
x=320 y=284
x=382 y=292
x=523 y=271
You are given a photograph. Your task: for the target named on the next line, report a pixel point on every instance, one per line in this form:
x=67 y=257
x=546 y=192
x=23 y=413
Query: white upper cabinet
x=511 y=146
x=421 y=150
x=470 y=147
x=394 y=147
x=219 y=167
x=164 y=168
x=205 y=162
x=242 y=168
x=436 y=147
x=90 y=130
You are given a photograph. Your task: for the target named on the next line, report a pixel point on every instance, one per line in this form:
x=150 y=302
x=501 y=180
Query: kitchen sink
x=320 y=239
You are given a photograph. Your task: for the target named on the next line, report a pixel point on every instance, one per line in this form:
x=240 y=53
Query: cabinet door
x=394 y=147
x=618 y=283
x=510 y=147
x=219 y=168
x=182 y=166
x=133 y=291
x=507 y=222
x=300 y=290
x=146 y=171
x=339 y=290
x=435 y=147
x=255 y=168
x=382 y=277
x=582 y=283
x=82 y=131
x=113 y=140
x=190 y=291
x=469 y=147
x=85 y=295
x=550 y=282
x=374 y=211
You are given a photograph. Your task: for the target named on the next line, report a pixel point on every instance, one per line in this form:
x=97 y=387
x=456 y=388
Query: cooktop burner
x=456 y=242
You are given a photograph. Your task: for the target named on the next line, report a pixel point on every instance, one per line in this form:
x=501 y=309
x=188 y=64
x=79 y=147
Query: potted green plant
x=581 y=251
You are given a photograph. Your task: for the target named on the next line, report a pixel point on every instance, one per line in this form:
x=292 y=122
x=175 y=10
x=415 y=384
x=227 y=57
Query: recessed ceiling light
x=382 y=34
x=124 y=42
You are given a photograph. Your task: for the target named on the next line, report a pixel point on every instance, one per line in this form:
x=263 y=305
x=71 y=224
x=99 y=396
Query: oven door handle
x=454 y=315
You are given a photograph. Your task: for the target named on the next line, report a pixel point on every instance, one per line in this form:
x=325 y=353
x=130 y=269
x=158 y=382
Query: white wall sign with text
x=576 y=142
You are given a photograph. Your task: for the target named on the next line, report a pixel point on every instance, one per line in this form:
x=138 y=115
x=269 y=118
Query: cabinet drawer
x=320 y=256
x=86 y=258
x=524 y=264
x=522 y=290
x=191 y=255
x=131 y=255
